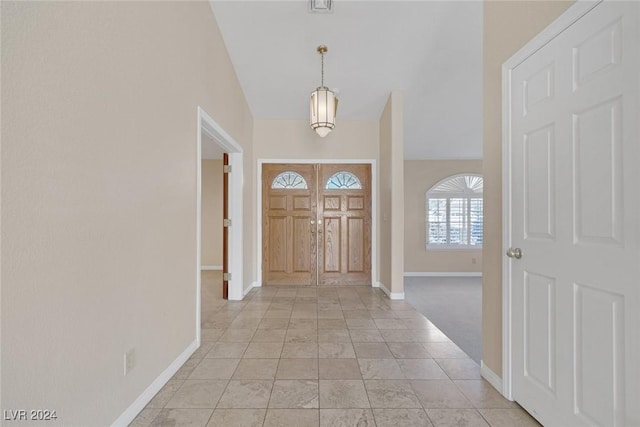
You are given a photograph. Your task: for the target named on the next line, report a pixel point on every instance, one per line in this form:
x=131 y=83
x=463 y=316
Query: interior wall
x=99 y=165
x=212 y=202
x=391 y=208
x=294 y=139
x=508 y=25
x=419 y=177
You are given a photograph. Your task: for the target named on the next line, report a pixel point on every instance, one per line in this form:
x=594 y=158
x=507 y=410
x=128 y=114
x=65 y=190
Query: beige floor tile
x=346 y=418
x=408 y=350
x=460 y=369
x=439 y=394
x=421 y=369
x=343 y=394
x=304 y=314
x=237 y=418
x=401 y=418
x=214 y=369
x=417 y=323
x=334 y=335
x=277 y=314
x=365 y=335
x=357 y=314
x=391 y=394
x=332 y=324
x=263 y=350
x=361 y=324
x=245 y=323
x=509 y=417
x=293 y=350
x=483 y=395
x=336 y=350
x=165 y=394
x=297 y=369
x=372 y=350
x=389 y=324
x=246 y=394
x=445 y=350
x=256 y=369
x=269 y=335
x=292 y=418
x=237 y=335
x=303 y=323
x=197 y=394
x=209 y=334
x=330 y=314
x=275 y=323
x=145 y=417
x=202 y=351
x=302 y=394
x=227 y=350
x=457 y=417
x=182 y=418
x=380 y=369
x=339 y=369
x=301 y=335
x=381 y=314
x=186 y=369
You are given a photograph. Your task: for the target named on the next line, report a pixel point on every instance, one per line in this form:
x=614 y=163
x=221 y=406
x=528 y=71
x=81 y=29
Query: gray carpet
x=454 y=305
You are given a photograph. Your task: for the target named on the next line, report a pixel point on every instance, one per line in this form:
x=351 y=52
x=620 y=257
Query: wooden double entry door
x=316 y=224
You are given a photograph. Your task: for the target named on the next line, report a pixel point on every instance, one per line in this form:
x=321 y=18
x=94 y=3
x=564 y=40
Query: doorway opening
x=317 y=222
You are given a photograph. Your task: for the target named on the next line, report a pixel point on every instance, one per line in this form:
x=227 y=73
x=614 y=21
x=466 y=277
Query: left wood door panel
x=288 y=224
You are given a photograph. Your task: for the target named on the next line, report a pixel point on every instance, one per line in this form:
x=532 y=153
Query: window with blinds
x=454 y=213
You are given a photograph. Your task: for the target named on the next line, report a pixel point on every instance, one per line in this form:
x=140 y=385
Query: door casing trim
x=564 y=21
x=374 y=204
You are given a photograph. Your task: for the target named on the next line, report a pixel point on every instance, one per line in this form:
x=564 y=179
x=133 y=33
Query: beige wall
x=212 y=213
x=99 y=195
x=419 y=177
x=294 y=139
x=508 y=25
x=391 y=210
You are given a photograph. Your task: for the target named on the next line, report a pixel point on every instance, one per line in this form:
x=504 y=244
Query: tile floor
x=328 y=356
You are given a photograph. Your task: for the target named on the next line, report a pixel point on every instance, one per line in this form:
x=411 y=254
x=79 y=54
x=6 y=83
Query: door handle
x=514 y=253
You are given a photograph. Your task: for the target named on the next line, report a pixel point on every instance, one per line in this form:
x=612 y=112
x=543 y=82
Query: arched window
x=454 y=213
x=343 y=180
x=289 y=179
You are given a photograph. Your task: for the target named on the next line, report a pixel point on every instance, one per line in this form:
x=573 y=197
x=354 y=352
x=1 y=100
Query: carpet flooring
x=454 y=305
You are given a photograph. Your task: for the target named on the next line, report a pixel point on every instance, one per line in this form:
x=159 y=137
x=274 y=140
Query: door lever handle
x=514 y=253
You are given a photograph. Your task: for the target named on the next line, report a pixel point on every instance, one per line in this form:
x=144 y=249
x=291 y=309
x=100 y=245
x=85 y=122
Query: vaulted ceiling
x=431 y=51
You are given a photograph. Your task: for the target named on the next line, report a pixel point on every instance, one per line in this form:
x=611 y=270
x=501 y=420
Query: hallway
x=329 y=356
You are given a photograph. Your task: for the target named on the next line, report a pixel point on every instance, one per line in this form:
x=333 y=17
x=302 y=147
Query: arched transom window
x=454 y=213
x=343 y=180
x=288 y=180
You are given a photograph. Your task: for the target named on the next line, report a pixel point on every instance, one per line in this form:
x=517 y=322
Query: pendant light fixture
x=323 y=104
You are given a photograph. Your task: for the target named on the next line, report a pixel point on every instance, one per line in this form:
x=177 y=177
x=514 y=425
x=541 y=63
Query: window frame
x=468 y=195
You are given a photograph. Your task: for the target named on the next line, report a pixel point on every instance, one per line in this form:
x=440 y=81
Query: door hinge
x=226 y=276
x=226 y=222
x=226 y=169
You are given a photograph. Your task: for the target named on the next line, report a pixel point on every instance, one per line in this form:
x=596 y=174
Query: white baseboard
x=491 y=377
x=443 y=274
x=210 y=267
x=391 y=295
x=138 y=405
x=246 y=291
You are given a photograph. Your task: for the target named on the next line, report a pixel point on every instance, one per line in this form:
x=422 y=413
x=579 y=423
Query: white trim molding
x=442 y=274
x=564 y=21
x=211 y=267
x=391 y=295
x=249 y=288
x=139 y=404
x=491 y=377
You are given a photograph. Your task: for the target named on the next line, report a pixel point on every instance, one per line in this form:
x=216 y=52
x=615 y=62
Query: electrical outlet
x=129 y=360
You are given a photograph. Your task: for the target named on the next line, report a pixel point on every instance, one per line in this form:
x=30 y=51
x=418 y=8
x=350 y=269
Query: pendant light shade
x=323 y=104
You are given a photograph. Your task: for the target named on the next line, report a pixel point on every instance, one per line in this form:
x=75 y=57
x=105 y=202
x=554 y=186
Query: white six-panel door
x=573 y=162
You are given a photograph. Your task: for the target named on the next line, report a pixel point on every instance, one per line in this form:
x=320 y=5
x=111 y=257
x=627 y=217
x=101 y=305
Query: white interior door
x=574 y=160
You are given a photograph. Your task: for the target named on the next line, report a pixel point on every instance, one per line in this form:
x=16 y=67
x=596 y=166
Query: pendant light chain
x=322 y=69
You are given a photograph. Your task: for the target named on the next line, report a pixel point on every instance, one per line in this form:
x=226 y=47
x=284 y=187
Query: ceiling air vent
x=320 y=6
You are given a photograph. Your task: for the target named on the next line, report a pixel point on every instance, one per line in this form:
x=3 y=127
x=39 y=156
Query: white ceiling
x=431 y=51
